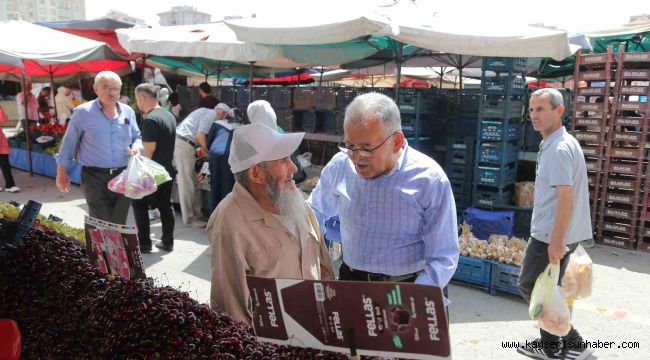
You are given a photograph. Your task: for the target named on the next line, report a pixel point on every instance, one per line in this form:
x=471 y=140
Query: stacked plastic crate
x=304 y=112
x=503 y=87
x=325 y=105
x=280 y=99
x=459 y=162
x=417 y=111
x=621 y=193
x=591 y=112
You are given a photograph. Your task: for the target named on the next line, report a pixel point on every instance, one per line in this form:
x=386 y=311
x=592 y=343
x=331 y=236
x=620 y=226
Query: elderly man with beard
x=263 y=227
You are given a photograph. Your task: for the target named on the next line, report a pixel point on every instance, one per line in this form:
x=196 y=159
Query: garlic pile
x=497 y=247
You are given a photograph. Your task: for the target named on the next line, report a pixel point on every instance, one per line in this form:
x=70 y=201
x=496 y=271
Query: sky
x=575 y=16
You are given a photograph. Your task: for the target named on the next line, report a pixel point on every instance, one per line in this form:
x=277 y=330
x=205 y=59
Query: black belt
x=382 y=277
x=186 y=139
x=110 y=171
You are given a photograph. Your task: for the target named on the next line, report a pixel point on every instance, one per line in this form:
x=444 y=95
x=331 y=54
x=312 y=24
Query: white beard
x=289 y=202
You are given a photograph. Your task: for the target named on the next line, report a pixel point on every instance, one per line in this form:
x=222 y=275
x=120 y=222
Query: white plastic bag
x=578 y=277
x=542 y=290
x=140 y=178
x=556 y=316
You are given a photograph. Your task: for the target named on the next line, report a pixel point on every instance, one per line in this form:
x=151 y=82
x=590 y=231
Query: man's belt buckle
x=113 y=170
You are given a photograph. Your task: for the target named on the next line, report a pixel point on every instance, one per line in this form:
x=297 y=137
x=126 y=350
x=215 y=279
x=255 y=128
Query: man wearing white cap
x=263 y=227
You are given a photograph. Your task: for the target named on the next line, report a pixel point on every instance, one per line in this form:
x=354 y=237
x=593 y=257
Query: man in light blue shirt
x=397 y=211
x=102 y=135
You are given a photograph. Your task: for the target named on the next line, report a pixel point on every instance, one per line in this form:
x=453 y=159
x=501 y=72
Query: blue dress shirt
x=399 y=223
x=94 y=139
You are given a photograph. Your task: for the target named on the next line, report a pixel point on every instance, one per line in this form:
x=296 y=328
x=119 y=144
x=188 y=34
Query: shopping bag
x=542 y=290
x=578 y=277
x=158 y=171
x=556 y=316
x=136 y=181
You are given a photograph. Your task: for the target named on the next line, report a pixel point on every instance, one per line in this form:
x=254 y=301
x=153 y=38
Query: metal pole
x=320 y=80
x=460 y=71
x=144 y=68
x=250 y=82
x=52 y=96
x=398 y=62
x=27 y=140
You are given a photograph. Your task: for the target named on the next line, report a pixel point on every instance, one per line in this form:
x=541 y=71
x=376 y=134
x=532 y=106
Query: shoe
x=168 y=248
x=13 y=189
x=145 y=249
x=588 y=244
x=197 y=224
x=576 y=350
x=535 y=349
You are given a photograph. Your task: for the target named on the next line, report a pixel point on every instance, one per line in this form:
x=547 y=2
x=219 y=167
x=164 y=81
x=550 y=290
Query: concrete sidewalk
x=480 y=323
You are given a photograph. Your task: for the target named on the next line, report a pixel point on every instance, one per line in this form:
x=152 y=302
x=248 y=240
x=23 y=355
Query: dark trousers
x=102 y=203
x=162 y=200
x=535 y=262
x=6 y=170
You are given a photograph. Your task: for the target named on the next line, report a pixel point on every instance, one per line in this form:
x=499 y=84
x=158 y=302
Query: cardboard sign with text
x=388 y=319
x=114 y=248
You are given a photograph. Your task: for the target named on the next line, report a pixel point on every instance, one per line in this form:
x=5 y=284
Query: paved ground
x=617 y=311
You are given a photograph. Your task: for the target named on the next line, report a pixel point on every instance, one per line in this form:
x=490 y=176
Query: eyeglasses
x=364 y=152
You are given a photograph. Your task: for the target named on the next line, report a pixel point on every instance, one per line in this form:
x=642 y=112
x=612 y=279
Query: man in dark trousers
x=102 y=134
x=158 y=137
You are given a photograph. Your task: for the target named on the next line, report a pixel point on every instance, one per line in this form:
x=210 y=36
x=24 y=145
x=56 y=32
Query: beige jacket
x=247 y=240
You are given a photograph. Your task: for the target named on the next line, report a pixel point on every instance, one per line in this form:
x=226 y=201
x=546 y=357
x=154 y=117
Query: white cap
x=260 y=111
x=223 y=107
x=255 y=143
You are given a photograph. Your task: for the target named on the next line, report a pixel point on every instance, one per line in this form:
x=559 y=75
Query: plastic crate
x=498 y=153
x=285 y=119
x=243 y=98
x=499 y=177
x=503 y=109
x=227 y=94
x=416 y=103
x=345 y=97
x=308 y=121
x=281 y=98
x=504 y=85
x=469 y=105
x=462 y=127
x=473 y=271
x=486 y=223
x=531 y=138
x=329 y=120
x=492 y=198
x=503 y=64
x=504 y=277
x=262 y=94
x=303 y=99
x=460 y=151
x=522 y=223
x=325 y=99
x=459 y=172
x=500 y=130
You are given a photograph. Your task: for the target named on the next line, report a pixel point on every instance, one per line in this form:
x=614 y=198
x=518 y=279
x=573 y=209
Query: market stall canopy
x=217 y=41
x=100 y=30
x=45 y=53
x=409 y=23
x=203 y=68
x=634 y=38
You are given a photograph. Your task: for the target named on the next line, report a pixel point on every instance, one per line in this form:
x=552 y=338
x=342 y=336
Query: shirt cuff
x=63 y=161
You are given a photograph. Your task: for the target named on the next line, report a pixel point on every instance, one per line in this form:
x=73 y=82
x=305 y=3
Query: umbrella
x=37 y=52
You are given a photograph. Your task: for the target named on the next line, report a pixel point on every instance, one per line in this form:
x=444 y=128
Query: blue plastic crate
x=500 y=130
x=498 y=153
x=504 y=85
x=474 y=271
x=499 y=177
x=461 y=172
x=504 y=64
x=504 y=277
x=492 y=198
x=503 y=109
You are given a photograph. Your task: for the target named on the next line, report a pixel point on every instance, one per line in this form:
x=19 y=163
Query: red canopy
x=104 y=35
x=35 y=70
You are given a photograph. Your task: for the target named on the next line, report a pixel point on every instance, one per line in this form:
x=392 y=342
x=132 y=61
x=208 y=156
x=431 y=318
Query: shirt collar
x=555 y=135
x=119 y=106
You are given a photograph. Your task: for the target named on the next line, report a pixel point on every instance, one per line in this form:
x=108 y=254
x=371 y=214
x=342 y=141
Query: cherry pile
x=66 y=309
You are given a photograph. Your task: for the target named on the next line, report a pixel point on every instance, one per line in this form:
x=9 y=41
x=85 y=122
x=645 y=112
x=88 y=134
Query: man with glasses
x=102 y=134
x=395 y=204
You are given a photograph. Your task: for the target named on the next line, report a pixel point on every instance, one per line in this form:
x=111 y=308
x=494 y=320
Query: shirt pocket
x=123 y=133
x=266 y=260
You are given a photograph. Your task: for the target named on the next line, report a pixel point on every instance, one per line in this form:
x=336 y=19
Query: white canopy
x=410 y=23
x=22 y=40
x=218 y=41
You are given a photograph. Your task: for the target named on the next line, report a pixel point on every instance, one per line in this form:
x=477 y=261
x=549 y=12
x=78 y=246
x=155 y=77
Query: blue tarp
x=42 y=164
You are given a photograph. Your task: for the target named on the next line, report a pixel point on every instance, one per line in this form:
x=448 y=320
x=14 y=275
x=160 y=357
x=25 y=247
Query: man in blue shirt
x=102 y=135
x=397 y=211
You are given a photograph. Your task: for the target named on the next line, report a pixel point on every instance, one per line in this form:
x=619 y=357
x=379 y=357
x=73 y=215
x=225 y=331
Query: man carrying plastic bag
x=561 y=219
x=140 y=178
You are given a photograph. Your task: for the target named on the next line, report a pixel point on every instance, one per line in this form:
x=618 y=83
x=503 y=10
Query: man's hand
x=133 y=151
x=63 y=182
x=556 y=251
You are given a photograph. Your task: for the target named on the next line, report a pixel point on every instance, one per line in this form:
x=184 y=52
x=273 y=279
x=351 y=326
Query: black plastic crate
x=243 y=97
x=504 y=64
x=459 y=172
x=281 y=98
x=345 y=97
x=325 y=99
x=329 y=121
x=498 y=153
x=463 y=127
x=285 y=119
x=262 y=94
x=303 y=99
x=227 y=94
x=308 y=121
x=503 y=108
x=460 y=151
x=504 y=85
x=531 y=138
x=492 y=197
x=522 y=222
